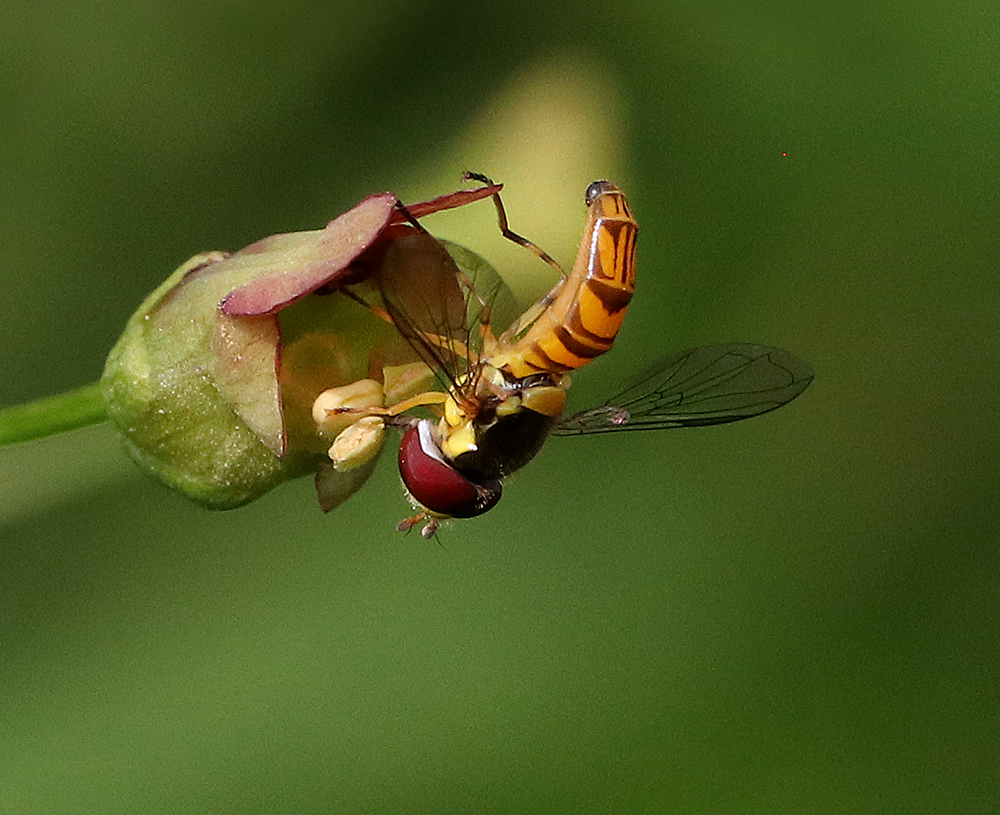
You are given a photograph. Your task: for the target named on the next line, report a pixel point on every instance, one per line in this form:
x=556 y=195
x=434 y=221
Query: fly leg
x=506 y=231
x=533 y=313
x=334 y=403
x=429 y=521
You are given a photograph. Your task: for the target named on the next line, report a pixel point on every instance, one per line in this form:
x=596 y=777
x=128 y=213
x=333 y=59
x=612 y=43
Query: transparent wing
x=704 y=386
x=439 y=296
x=422 y=292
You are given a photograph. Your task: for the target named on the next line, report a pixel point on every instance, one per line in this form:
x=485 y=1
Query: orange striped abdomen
x=588 y=307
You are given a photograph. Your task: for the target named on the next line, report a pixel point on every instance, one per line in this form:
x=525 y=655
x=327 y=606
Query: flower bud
x=214 y=382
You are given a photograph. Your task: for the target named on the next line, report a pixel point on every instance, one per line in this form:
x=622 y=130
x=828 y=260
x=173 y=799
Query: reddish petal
x=344 y=238
x=450 y=201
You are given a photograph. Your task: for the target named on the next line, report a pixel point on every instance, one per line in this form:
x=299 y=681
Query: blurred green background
x=797 y=614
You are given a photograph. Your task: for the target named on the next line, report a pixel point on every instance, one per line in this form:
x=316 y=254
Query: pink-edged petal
x=343 y=240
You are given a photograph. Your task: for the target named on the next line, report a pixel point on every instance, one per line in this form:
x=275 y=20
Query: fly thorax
x=510 y=429
x=469 y=407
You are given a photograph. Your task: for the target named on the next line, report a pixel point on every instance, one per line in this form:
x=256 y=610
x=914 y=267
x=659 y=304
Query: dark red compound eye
x=437 y=485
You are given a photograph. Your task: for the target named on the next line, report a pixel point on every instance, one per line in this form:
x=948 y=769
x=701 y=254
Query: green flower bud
x=213 y=385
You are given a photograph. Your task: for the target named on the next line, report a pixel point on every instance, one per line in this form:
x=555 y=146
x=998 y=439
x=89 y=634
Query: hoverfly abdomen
x=587 y=308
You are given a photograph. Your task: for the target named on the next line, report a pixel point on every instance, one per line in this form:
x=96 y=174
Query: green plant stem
x=52 y=415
